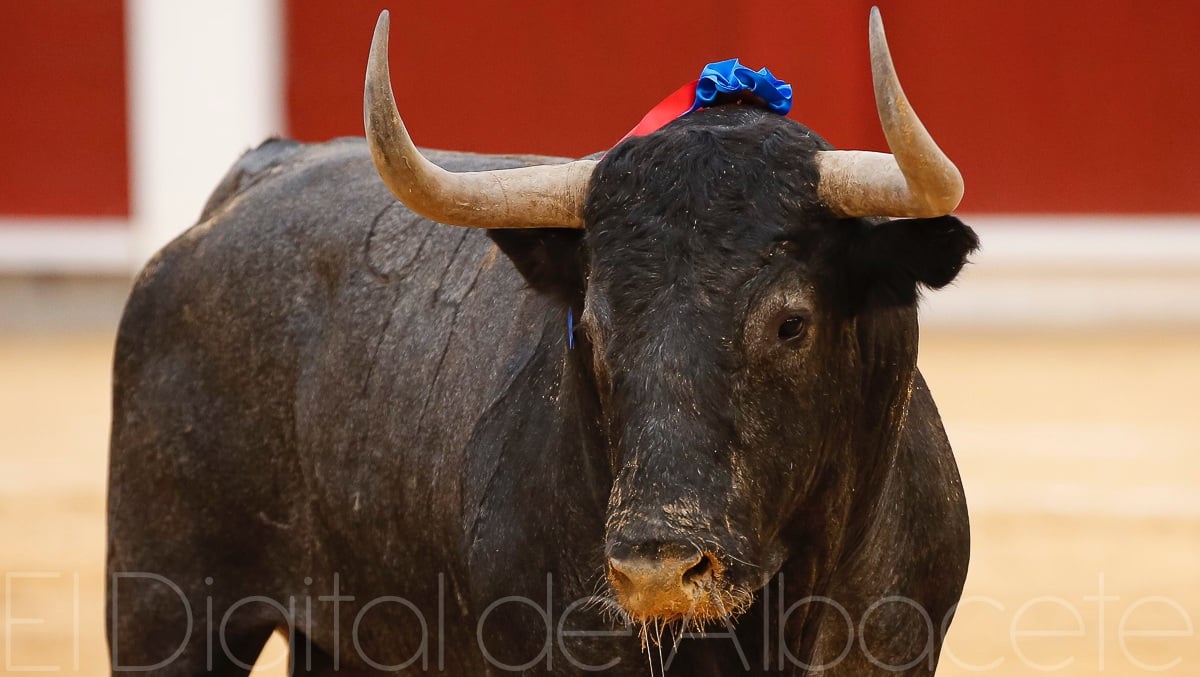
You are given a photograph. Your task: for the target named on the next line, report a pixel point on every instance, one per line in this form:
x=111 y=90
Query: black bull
x=339 y=419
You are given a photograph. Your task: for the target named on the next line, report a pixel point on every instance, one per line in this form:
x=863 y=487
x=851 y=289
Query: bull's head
x=749 y=311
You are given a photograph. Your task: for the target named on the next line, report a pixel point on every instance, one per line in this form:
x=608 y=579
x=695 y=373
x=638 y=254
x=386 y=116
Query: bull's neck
x=889 y=369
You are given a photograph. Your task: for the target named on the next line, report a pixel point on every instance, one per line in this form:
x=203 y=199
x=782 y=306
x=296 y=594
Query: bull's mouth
x=692 y=591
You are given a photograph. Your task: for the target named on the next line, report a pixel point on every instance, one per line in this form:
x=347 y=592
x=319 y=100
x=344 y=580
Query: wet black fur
x=313 y=383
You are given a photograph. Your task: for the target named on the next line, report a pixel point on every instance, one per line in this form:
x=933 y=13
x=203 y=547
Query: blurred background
x=1064 y=360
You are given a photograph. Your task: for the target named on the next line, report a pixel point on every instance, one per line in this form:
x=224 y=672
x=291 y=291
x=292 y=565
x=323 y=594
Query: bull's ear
x=892 y=259
x=550 y=259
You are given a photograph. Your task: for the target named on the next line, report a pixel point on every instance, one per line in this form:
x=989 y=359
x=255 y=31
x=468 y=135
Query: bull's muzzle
x=670 y=581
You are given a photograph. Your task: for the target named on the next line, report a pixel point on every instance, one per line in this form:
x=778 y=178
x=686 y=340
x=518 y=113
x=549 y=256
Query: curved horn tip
x=379 y=40
x=877 y=36
x=382 y=27
x=378 y=99
x=377 y=60
x=875 y=21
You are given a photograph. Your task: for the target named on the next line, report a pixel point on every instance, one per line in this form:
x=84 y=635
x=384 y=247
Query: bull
x=388 y=438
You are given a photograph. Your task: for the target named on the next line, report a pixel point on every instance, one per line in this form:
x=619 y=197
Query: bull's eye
x=791 y=328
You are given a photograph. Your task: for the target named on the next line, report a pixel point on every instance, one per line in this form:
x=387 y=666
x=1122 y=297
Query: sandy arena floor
x=1080 y=453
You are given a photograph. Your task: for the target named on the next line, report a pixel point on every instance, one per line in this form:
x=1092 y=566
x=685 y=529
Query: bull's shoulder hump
x=250 y=168
x=286 y=196
x=291 y=202
x=279 y=156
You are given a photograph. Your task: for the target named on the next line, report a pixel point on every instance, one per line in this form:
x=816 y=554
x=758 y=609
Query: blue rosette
x=731 y=77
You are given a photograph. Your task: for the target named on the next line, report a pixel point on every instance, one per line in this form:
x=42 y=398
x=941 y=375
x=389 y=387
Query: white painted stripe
x=1045 y=271
x=205 y=84
x=1061 y=241
x=1066 y=271
x=66 y=246
x=986 y=296
x=1075 y=271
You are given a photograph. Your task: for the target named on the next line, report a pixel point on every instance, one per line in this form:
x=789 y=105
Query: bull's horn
x=916 y=179
x=527 y=197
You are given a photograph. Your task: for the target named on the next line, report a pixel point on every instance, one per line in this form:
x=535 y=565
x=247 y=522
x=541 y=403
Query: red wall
x=1047 y=106
x=62 y=108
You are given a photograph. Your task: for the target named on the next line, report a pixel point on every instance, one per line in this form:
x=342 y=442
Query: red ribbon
x=675 y=105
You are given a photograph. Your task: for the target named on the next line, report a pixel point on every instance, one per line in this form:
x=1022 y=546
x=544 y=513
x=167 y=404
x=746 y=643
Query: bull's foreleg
x=162 y=625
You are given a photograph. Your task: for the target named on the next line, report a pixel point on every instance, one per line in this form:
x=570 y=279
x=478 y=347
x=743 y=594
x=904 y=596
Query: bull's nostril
x=617 y=576
x=699 y=571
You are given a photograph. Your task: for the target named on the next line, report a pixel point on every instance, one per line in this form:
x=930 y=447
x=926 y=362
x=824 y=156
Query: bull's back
x=310 y=352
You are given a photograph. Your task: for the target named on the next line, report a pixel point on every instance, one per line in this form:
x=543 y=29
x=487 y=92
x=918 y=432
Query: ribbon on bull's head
x=719 y=82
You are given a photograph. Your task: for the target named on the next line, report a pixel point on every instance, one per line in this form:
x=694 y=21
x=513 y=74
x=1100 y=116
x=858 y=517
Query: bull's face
x=752 y=335
x=727 y=314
